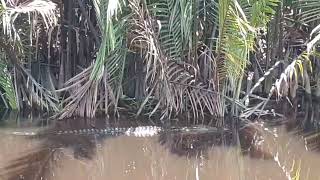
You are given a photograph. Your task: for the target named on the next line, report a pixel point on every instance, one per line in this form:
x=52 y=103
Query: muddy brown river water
x=80 y=157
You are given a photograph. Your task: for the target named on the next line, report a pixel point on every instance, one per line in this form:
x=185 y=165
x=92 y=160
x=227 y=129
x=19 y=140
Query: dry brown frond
x=176 y=86
x=12 y=9
x=87 y=94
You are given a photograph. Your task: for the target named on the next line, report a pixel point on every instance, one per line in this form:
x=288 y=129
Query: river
x=158 y=157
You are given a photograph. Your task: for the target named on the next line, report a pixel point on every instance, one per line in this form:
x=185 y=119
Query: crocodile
x=83 y=142
x=192 y=136
x=139 y=131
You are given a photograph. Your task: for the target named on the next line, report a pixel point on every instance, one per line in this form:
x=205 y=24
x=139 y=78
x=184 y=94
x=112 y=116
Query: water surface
x=165 y=156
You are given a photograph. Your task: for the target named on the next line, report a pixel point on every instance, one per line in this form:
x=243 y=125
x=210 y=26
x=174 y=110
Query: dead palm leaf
x=12 y=9
x=176 y=86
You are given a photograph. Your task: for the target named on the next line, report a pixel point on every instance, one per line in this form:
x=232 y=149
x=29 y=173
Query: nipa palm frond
x=27 y=86
x=287 y=84
x=315 y=40
x=235 y=39
x=87 y=94
x=310 y=10
x=11 y=10
x=174 y=85
x=99 y=86
x=237 y=22
x=7 y=85
x=34 y=92
x=258 y=13
x=174 y=20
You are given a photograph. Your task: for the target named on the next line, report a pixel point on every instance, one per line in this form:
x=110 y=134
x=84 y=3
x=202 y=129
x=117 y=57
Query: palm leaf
x=175 y=85
x=11 y=10
x=99 y=86
x=309 y=10
x=7 y=85
x=30 y=90
x=168 y=18
x=235 y=40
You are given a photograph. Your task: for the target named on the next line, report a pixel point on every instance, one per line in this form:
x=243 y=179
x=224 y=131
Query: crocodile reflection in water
x=193 y=144
x=84 y=140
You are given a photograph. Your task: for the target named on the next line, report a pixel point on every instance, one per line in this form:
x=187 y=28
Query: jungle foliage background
x=194 y=58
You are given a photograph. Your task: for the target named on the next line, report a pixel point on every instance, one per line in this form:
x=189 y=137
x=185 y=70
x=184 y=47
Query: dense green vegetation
x=190 y=57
